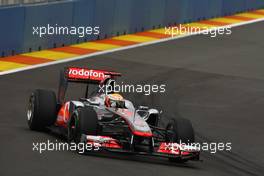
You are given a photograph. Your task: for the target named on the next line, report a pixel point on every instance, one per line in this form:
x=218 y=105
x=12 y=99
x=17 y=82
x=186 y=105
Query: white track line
x=120 y=49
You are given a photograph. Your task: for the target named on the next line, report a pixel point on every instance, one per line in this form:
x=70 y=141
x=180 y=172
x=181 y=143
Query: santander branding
x=81 y=73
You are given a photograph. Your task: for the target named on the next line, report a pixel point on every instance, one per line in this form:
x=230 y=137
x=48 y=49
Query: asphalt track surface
x=216 y=83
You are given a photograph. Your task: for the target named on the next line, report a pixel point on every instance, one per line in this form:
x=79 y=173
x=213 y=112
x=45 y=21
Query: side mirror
x=153 y=117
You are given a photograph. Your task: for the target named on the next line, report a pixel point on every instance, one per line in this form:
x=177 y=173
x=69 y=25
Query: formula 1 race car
x=106 y=118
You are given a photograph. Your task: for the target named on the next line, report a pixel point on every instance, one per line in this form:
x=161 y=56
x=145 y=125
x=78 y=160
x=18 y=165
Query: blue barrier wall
x=39 y=16
x=11 y=30
x=123 y=16
x=83 y=15
x=114 y=17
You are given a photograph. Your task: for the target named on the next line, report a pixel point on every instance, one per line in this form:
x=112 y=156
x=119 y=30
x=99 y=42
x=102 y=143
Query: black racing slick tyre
x=84 y=121
x=180 y=131
x=42 y=109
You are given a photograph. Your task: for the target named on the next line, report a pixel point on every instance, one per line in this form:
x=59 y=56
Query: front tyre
x=42 y=109
x=83 y=121
x=180 y=131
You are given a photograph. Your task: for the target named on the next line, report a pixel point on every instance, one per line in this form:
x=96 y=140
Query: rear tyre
x=180 y=131
x=83 y=121
x=42 y=109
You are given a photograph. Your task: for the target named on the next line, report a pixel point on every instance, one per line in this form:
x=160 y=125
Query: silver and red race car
x=109 y=120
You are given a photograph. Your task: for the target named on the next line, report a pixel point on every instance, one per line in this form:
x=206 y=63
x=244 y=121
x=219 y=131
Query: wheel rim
x=30 y=110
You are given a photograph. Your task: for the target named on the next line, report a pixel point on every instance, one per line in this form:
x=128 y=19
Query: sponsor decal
x=81 y=73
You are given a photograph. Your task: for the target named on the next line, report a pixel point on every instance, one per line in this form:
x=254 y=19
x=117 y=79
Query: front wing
x=168 y=150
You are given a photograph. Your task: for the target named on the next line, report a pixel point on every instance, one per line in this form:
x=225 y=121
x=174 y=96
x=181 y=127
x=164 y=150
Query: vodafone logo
x=81 y=73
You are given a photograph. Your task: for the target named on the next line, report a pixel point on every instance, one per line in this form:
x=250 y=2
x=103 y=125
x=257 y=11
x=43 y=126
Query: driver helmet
x=114 y=100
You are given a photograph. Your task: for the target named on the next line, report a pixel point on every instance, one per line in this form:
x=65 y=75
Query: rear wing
x=82 y=75
x=85 y=75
